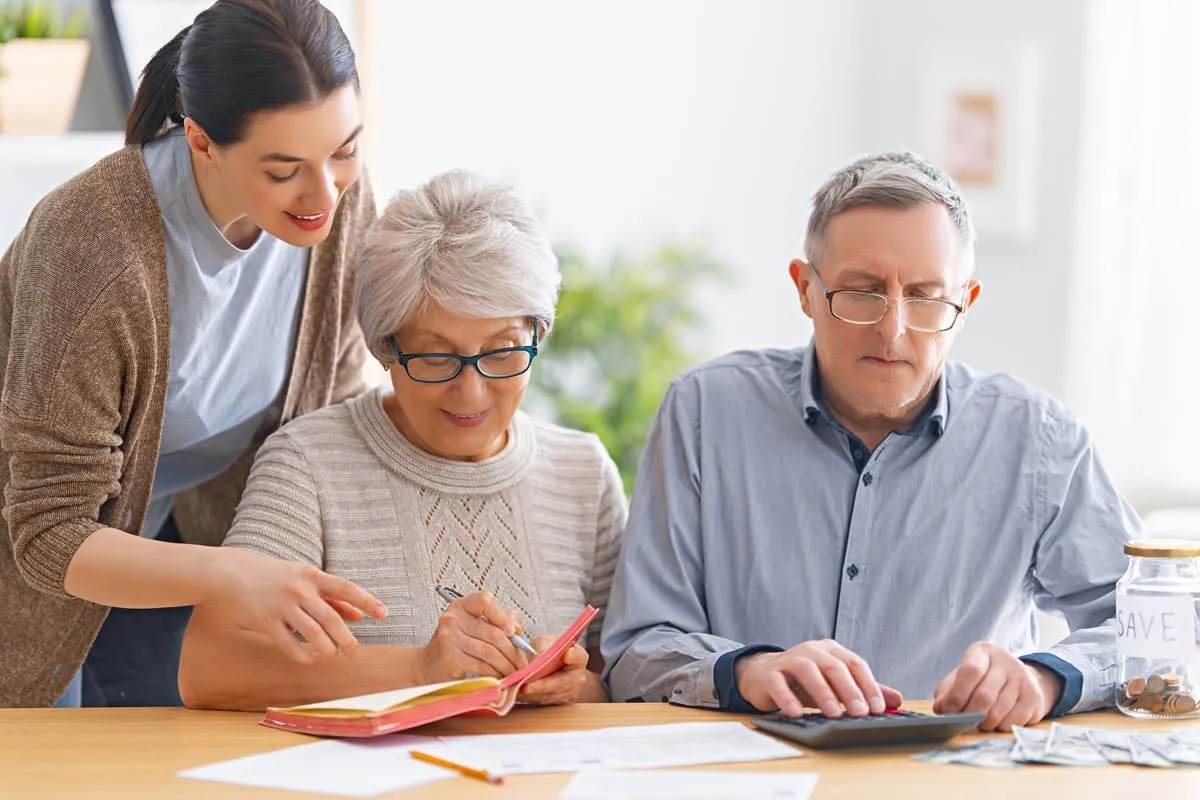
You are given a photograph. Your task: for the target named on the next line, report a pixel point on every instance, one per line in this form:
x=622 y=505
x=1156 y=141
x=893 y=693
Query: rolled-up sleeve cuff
x=43 y=562
x=1072 y=678
x=725 y=683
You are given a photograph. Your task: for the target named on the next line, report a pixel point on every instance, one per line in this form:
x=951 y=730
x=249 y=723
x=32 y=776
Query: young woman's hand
x=282 y=598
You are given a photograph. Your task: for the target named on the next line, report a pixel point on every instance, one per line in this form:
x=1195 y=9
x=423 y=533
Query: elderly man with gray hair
x=832 y=525
x=437 y=480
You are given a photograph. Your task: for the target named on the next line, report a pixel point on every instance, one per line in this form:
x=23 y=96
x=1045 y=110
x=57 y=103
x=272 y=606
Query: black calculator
x=894 y=727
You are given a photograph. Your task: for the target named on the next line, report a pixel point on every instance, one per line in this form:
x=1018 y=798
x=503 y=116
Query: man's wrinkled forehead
x=922 y=238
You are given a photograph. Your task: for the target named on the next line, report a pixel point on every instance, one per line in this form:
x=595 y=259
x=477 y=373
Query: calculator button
x=806 y=721
x=810 y=719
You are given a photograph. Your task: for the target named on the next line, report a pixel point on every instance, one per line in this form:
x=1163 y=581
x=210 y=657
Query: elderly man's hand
x=820 y=674
x=993 y=681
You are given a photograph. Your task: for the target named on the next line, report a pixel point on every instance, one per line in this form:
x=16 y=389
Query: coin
x=1181 y=704
x=1163 y=693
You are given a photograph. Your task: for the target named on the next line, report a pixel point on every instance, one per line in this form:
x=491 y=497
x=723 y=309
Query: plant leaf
x=624 y=330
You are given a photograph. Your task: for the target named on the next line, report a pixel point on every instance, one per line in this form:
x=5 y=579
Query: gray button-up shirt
x=758 y=519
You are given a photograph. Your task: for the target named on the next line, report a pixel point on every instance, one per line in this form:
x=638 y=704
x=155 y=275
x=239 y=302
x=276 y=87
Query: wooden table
x=135 y=753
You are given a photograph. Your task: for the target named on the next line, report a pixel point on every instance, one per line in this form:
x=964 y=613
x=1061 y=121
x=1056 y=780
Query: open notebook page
x=396 y=698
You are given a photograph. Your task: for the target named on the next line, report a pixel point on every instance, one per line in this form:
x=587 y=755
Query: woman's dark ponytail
x=240 y=57
x=157 y=101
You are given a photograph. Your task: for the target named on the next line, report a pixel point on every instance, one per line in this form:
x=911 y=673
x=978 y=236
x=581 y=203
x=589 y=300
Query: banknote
x=991 y=754
x=1074 y=746
x=1031 y=744
x=1113 y=745
x=1180 y=750
x=1145 y=751
x=1070 y=746
x=995 y=753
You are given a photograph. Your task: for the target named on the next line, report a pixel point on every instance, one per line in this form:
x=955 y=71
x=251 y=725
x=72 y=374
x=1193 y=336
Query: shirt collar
x=808 y=384
x=933 y=418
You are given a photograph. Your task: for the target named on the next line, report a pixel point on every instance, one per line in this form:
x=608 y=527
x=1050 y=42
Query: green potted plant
x=42 y=60
x=623 y=331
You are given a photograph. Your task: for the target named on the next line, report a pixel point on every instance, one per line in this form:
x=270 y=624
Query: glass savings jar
x=1158 y=619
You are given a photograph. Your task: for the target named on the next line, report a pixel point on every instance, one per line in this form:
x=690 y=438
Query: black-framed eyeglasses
x=506 y=362
x=924 y=314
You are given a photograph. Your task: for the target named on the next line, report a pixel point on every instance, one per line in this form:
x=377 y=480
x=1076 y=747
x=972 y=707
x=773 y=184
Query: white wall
x=1020 y=325
x=31 y=166
x=632 y=122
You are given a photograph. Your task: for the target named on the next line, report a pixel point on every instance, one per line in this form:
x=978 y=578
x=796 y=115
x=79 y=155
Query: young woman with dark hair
x=160 y=314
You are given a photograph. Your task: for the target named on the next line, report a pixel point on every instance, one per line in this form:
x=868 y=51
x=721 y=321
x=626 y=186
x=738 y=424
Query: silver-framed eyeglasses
x=505 y=362
x=924 y=314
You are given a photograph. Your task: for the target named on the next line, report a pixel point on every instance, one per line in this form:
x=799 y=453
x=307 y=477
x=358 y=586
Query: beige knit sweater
x=538 y=525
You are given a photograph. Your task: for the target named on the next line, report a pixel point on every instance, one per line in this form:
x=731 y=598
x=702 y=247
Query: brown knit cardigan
x=84 y=350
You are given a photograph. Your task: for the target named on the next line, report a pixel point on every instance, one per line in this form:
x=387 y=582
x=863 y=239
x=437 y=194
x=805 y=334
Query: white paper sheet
x=680 y=785
x=635 y=747
x=363 y=768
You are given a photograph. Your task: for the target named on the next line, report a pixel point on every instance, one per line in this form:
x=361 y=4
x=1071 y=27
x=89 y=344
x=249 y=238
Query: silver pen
x=519 y=642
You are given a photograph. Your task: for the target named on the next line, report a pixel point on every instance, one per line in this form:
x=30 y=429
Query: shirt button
x=852 y=571
x=858 y=455
x=867 y=479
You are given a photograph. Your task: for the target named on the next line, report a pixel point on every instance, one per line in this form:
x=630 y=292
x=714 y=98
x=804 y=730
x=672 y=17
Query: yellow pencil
x=461 y=769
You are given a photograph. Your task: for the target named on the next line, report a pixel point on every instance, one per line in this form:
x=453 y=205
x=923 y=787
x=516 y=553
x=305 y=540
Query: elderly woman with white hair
x=437 y=479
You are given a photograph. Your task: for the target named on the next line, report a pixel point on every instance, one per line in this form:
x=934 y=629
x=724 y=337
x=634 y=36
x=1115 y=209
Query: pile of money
x=1163 y=694
x=1074 y=746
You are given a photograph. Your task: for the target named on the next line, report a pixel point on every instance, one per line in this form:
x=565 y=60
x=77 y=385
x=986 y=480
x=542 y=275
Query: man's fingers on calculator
x=779 y=689
x=811 y=679
x=863 y=679
x=891 y=697
x=849 y=695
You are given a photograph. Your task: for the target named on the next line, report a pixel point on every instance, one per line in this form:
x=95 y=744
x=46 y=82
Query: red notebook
x=402 y=709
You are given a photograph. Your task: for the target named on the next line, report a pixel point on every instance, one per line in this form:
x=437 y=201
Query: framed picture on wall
x=980 y=114
x=134 y=30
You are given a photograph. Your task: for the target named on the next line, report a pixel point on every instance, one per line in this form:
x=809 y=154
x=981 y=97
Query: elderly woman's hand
x=567 y=685
x=472 y=638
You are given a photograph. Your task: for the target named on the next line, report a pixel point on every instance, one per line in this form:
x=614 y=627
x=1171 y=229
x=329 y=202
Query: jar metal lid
x=1163 y=548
